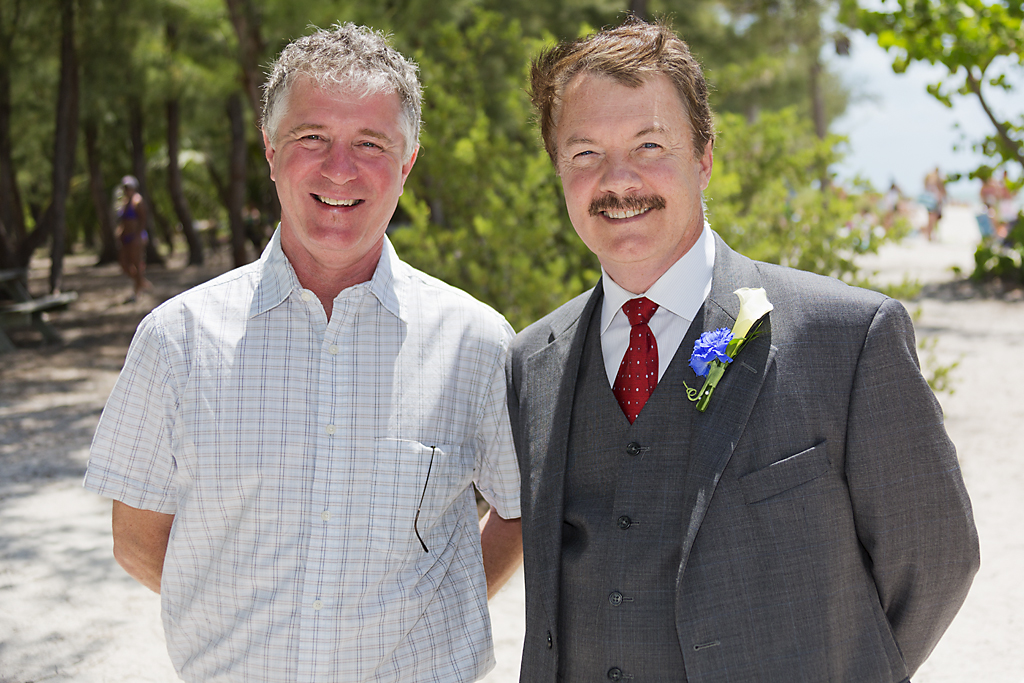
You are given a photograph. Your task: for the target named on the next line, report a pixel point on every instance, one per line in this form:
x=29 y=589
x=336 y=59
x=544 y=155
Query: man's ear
x=407 y=166
x=707 y=161
x=268 y=151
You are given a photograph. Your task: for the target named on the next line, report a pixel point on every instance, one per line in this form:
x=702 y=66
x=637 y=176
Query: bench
x=24 y=311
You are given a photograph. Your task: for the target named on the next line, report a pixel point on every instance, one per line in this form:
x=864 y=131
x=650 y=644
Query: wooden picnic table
x=22 y=310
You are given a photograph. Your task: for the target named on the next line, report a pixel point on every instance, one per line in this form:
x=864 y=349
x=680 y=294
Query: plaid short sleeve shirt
x=294 y=453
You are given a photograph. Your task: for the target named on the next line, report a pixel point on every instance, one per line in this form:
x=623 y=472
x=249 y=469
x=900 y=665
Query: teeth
x=629 y=213
x=337 y=202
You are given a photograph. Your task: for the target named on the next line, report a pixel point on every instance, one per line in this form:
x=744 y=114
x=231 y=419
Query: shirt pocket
x=409 y=476
x=786 y=474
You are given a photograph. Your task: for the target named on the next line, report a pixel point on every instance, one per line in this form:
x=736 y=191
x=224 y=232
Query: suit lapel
x=716 y=431
x=550 y=379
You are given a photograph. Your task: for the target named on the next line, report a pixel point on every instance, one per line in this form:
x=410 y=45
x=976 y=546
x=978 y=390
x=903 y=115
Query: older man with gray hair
x=291 y=446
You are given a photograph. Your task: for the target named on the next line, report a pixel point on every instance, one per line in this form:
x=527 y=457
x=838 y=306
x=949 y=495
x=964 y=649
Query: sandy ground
x=68 y=613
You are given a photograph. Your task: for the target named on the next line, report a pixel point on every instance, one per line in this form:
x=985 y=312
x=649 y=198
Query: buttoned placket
x=331 y=369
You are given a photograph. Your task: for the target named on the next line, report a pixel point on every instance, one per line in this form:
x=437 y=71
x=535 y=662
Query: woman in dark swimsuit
x=131 y=231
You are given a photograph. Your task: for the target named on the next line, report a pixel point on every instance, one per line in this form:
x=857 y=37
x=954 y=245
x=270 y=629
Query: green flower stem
x=715 y=372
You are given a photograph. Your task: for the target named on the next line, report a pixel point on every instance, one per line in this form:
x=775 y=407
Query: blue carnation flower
x=711 y=346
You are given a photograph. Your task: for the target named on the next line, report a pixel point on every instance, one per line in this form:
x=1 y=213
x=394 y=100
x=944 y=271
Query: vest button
x=633 y=448
x=615 y=598
x=550 y=641
x=625 y=522
x=615 y=673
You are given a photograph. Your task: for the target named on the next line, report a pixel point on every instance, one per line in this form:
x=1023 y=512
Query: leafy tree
x=765 y=201
x=978 y=41
x=981 y=45
x=484 y=207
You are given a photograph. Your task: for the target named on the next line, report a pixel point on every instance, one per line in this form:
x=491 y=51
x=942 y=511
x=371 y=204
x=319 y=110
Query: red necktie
x=638 y=373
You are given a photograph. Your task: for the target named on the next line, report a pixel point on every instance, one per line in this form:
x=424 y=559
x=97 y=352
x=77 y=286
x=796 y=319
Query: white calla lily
x=754 y=305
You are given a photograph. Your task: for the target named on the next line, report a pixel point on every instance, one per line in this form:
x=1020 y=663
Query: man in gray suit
x=804 y=521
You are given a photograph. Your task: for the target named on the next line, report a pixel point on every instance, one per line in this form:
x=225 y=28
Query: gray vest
x=623 y=527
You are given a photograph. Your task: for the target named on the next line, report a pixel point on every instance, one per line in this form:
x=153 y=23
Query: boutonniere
x=713 y=352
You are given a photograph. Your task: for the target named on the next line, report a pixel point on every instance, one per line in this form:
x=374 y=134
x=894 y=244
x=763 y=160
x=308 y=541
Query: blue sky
x=897 y=131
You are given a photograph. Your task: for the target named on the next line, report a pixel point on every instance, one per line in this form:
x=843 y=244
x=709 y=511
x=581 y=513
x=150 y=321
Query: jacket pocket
x=785 y=474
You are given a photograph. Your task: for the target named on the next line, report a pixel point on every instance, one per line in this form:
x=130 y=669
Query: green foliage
x=766 y=201
x=997 y=259
x=485 y=208
x=978 y=41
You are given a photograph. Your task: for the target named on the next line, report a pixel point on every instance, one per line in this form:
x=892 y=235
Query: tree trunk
x=1012 y=148
x=12 y=213
x=100 y=196
x=250 y=47
x=236 y=180
x=638 y=8
x=65 y=142
x=174 y=186
x=135 y=130
x=246 y=22
x=817 y=99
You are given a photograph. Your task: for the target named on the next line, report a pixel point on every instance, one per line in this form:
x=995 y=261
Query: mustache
x=627 y=203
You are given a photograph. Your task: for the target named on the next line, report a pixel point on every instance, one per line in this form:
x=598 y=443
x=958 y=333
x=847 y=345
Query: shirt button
x=615 y=598
x=306 y=296
x=330 y=429
x=633 y=448
x=615 y=674
x=325 y=515
x=318 y=605
x=333 y=349
x=625 y=522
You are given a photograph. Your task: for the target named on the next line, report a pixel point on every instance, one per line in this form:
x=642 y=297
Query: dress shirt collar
x=278 y=279
x=681 y=290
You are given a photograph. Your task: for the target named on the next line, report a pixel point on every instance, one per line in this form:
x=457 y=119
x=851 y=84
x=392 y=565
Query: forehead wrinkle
x=655 y=128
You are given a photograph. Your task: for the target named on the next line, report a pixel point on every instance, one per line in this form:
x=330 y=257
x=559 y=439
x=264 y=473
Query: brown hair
x=629 y=54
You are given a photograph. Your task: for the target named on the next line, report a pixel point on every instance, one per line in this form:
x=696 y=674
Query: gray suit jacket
x=829 y=537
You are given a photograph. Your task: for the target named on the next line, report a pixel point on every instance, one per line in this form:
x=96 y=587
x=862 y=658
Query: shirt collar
x=278 y=279
x=681 y=289
x=389 y=280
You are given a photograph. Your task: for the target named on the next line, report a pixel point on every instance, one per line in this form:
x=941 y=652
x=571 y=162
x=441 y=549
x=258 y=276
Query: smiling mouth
x=628 y=213
x=620 y=208
x=337 y=202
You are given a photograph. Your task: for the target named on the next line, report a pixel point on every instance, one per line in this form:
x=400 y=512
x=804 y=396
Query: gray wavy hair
x=352 y=58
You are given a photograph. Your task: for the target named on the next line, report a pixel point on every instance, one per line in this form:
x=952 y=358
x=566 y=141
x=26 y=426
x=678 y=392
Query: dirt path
x=68 y=613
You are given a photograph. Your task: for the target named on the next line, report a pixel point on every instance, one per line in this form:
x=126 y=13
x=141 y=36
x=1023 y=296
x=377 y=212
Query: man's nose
x=619 y=176
x=339 y=165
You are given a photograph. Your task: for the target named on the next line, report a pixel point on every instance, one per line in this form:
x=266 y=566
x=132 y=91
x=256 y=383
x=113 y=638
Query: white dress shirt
x=679 y=293
x=293 y=453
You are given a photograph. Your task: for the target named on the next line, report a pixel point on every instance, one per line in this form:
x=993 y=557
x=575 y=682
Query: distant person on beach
x=1007 y=210
x=933 y=199
x=891 y=205
x=1000 y=199
x=292 y=447
x=732 y=471
x=131 y=235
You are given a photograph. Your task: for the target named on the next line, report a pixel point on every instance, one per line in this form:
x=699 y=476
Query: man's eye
x=370 y=145
x=650 y=145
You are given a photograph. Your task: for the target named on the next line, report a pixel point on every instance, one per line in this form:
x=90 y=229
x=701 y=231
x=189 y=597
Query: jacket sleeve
x=911 y=509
